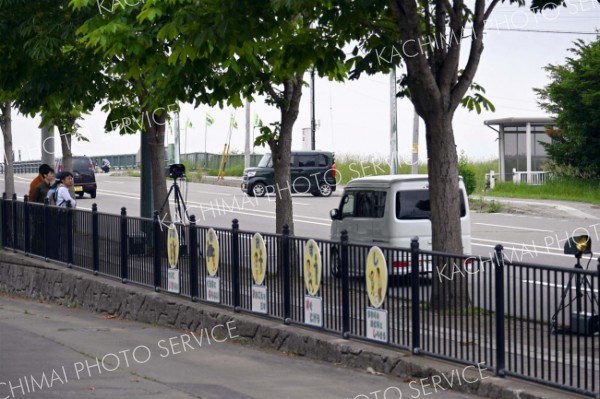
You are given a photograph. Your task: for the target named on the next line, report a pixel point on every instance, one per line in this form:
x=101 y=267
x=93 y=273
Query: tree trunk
x=6 y=125
x=281 y=149
x=450 y=289
x=67 y=155
x=154 y=124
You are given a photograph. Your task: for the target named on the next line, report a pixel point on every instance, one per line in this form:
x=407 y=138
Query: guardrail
x=530 y=321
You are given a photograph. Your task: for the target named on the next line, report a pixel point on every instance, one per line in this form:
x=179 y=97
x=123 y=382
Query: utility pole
x=177 y=141
x=393 y=124
x=247 y=143
x=313 y=124
x=415 y=146
x=48 y=145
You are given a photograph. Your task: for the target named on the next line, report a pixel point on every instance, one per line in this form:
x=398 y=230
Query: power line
x=543 y=31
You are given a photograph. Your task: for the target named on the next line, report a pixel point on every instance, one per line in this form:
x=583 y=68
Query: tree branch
x=465 y=80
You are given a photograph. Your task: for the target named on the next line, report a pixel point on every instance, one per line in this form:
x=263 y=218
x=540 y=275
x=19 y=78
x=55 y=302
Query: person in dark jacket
x=40 y=192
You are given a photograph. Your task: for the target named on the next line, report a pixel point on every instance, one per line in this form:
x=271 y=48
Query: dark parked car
x=84 y=177
x=311 y=172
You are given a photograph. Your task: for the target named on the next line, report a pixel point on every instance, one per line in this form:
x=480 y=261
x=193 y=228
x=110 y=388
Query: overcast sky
x=354 y=117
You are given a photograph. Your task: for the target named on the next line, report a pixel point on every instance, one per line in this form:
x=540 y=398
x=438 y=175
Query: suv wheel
x=325 y=190
x=259 y=190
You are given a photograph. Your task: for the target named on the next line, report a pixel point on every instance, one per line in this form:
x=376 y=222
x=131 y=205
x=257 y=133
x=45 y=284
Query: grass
x=560 y=189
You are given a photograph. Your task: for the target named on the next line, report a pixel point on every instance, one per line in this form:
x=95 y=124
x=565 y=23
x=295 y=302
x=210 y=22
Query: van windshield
x=265 y=161
x=363 y=204
x=414 y=204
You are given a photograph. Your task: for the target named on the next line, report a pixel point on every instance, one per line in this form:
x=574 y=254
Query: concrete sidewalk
x=549 y=208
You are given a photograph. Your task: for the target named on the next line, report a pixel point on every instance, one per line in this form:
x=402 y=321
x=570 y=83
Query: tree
x=432 y=34
x=248 y=48
x=14 y=70
x=573 y=96
x=143 y=90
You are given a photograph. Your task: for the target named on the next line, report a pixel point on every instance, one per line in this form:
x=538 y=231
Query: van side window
x=364 y=204
x=306 y=161
x=322 y=159
x=414 y=204
x=348 y=205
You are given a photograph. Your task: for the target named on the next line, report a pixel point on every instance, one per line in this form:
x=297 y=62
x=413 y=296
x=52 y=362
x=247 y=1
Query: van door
x=304 y=166
x=361 y=212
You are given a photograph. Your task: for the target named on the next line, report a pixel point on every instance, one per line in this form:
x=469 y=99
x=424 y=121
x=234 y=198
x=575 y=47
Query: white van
x=389 y=210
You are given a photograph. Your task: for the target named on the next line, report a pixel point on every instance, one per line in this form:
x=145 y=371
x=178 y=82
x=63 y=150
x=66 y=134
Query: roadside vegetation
x=564 y=189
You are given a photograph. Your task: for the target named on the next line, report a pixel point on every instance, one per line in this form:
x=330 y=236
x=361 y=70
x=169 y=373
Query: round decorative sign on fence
x=312 y=267
x=258 y=259
x=377 y=276
x=212 y=252
x=172 y=246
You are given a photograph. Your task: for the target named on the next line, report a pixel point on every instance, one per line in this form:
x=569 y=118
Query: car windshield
x=265 y=161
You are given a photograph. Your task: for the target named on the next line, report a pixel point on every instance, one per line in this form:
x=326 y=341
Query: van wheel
x=325 y=190
x=259 y=190
x=93 y=194
x=80 y=195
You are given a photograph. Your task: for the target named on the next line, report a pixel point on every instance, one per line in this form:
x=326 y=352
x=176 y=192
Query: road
x=141 y=361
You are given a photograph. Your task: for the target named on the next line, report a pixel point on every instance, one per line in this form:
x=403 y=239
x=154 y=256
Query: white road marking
x=516 y=228
x=546 y=284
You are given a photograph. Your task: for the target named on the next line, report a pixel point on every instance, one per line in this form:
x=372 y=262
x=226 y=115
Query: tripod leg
x=166 y=202
x=562 y=305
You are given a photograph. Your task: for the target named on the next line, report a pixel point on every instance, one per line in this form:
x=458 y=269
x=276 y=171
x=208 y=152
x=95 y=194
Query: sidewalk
x=549 y=208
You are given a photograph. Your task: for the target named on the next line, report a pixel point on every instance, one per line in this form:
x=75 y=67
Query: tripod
x=179 y=202
x=580 y=282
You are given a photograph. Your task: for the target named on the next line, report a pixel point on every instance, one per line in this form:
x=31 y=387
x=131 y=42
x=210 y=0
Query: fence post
x=193 y=247
x=345 y=285
x=287 y=292
x=157 y=254
x=2 y=219
x=27 y=226
x=95 y=239
x=235 y=257
x=499 y=287
x=69 y=234
x=124 y=275
x=14 y=221
x=415 y=295
x=47 y=239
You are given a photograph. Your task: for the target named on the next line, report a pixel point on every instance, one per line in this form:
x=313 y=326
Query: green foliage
x=574 y=95
x=568 y=189
x=467 y=171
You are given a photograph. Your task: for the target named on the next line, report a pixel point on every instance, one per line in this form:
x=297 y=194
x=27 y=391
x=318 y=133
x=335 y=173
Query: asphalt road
x=48 y=351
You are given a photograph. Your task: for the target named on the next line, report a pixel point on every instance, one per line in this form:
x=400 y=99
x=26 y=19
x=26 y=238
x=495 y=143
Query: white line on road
x=515 y=228
x=546 y=284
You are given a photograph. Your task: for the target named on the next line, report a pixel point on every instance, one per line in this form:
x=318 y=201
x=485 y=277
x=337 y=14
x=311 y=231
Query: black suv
x=84 y=177
x=311 y=172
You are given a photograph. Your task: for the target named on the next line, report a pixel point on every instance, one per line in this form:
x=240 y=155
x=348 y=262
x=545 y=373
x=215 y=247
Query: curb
x=29 y=277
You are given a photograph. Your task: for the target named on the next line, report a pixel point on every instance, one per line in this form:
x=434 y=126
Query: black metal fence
x=530 y=321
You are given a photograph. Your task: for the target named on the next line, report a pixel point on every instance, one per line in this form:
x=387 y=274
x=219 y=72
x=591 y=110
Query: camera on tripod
x=177 y=170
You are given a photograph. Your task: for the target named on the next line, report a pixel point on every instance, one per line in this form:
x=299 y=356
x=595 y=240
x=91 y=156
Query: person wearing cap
x=62 y=193
x=43 y=169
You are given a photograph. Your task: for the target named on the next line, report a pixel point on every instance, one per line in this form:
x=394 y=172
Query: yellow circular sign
x=212 y=252
x=377 y=277
x=258 y=259
x=312 y=267
x=172 y=246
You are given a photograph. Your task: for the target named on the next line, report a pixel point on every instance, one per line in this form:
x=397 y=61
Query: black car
x=84 y=177
x=311 y=172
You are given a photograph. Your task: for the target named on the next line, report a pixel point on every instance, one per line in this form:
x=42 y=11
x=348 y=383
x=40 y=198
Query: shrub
x=467 y=171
